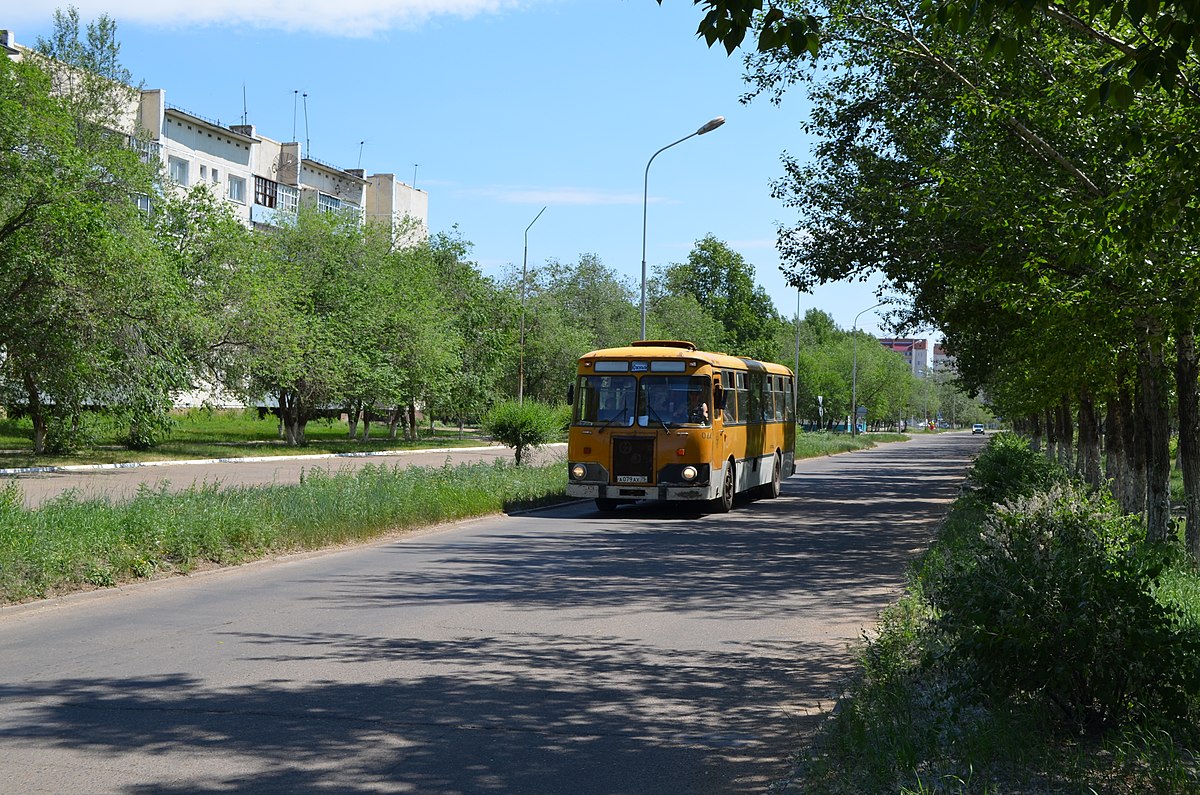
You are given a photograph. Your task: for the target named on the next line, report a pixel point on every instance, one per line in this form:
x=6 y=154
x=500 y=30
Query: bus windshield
x=674 y=400
x=606 y=400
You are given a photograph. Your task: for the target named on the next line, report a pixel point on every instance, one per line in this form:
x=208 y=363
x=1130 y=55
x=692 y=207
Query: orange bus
x=660 y=420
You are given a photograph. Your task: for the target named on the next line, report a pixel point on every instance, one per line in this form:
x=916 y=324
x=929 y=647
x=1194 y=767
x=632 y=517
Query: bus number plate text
x=632 y=479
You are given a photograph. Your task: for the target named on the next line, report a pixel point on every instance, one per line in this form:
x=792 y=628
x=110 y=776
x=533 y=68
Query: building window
x=266 y=192
x=177 y=170
x=289 y=199
x=328 y=203
x=237 y=190
x=203 y=172
x=143 y=203
x=216 y=176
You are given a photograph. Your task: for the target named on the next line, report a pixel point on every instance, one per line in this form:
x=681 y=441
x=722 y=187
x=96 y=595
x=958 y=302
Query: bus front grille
x=633 y=460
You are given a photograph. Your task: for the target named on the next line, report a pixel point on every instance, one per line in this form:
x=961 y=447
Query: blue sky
x=498 y=108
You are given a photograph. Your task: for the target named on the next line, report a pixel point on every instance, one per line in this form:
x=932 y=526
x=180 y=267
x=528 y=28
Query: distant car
x=977 y=428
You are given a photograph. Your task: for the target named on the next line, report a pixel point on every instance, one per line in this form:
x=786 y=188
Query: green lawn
x=201 y=434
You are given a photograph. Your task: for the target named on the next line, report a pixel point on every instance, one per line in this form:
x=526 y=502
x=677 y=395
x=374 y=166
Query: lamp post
x=521 y=360
x=854 y=370
x=708 y=127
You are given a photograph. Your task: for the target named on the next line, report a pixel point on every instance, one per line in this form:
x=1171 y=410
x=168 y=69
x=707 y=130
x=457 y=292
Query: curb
x=244 y=460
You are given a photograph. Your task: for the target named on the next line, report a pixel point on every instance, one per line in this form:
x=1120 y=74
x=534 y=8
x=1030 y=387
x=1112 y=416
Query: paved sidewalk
x=118 y=482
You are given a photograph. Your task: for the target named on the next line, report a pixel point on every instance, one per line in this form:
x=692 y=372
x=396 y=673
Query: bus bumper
x=601 y=491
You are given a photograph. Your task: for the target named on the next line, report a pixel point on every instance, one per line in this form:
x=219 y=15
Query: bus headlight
x=689 y=473
x=578 y=471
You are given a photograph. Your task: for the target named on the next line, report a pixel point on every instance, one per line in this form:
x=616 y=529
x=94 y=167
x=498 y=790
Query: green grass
x=68 y=544
x=819 y=443
x=204 y=434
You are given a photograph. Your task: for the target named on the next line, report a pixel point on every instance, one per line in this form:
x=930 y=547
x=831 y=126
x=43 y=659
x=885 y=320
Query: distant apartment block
x=259 y=177
x=941 y=359
x=914 y=351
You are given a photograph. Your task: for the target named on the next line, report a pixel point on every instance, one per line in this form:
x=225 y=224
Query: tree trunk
x=1066 y=433
x=353 y=411
x=1153 y=421
x=37 y=415
x=1089 y=441
x=1035 y=433
x=291 y=412
x=412 y=419
x=1187 y=378
x=394 y=417
x=1134 y=460
x=1051 y=435
x=366 y=418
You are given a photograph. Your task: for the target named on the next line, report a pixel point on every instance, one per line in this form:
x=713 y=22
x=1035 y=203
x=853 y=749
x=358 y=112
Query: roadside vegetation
x=1043 y=645
x=69 y=544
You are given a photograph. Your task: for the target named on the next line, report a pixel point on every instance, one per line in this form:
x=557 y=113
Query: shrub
x=523 y=426
x=1007 y=468
x=1055 y=603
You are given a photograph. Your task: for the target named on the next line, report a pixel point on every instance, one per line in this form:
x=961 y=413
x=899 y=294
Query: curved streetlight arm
x=854 y=369
x=707 y=128
x=524 y=265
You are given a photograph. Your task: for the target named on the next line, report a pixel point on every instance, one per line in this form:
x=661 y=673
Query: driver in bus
x=697 y=408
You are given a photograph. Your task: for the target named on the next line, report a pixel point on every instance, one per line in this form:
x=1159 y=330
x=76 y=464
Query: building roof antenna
x=295 y=99
x=307 y=143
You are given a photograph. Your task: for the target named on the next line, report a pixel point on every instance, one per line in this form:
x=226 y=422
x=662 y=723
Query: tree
x=571 y=308
x=82 y=297
x=483 y=316
x=722 y=282
x=523 y=426
x=1154 y=43
x=1003 y=209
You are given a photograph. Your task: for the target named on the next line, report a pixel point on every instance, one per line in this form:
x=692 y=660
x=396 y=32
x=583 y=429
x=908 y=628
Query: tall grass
x=68 y=543
x=816 y=444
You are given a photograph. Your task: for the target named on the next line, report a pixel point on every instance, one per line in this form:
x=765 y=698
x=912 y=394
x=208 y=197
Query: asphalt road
x=562 y=651
x=123 y=483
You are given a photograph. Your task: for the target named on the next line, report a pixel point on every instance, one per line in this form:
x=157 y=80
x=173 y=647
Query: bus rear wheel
x=771 y=490
x=724 y=503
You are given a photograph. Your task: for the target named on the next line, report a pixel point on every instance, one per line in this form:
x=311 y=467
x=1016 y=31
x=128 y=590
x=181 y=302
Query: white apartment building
x=199 y=151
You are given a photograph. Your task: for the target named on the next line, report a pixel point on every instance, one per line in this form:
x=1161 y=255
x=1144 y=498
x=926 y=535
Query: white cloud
x=344 y=18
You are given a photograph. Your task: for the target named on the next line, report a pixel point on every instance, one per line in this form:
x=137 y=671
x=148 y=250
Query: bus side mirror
x=719 y=399
x=571 y=395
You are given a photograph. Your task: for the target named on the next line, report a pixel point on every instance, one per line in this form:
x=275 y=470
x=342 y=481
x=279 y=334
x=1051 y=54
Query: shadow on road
x=522 y=713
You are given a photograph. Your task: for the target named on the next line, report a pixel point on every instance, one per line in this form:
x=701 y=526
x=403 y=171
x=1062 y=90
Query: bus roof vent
x=687 y=346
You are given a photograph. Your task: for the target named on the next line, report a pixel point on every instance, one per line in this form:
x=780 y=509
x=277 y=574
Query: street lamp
x=521 y=360
x=854 y=370
x=708 y=127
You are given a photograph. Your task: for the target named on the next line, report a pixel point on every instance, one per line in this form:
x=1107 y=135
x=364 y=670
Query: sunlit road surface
x=563 y=651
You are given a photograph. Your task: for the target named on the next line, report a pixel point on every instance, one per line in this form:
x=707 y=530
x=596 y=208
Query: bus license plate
x=632 y=479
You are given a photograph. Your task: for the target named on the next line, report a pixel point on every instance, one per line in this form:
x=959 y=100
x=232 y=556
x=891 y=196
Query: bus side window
x=754 y=384
x=731 y=396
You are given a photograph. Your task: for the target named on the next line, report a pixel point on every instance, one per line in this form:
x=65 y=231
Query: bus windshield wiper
x=624 y=413
x=661 y=421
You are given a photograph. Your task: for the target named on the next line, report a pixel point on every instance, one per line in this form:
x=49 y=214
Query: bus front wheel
x=605 y=505
x=724 y=503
